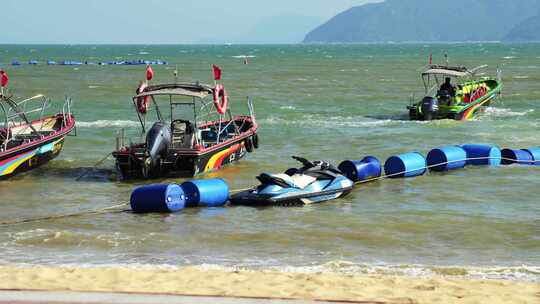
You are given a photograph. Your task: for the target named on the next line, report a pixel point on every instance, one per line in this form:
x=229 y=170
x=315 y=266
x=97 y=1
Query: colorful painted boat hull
x=34 y=153
x=462 y=110
x=30 y=158
x=185 y=162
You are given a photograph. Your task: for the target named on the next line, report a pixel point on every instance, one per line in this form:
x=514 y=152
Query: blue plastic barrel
x=206 y=192
x=535 y=153
x=511 y=156
x=482 y=155
x=361 y=170
x=447 y=158
x=158 y=198
x=405 y=165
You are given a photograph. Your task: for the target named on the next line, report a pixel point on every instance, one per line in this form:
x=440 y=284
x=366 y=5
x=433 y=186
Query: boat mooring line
x=101 y=161
x=111 y=209
x=117 y=208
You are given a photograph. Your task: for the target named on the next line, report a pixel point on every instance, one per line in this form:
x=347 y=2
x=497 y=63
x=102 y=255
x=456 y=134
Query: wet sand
x=196 y=281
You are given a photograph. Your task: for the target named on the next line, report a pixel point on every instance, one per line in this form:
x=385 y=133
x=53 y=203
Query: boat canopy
x=181 y=89
x=458 y=71
x=446 y=72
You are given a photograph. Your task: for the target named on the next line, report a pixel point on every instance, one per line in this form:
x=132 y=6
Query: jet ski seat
x=299 y=181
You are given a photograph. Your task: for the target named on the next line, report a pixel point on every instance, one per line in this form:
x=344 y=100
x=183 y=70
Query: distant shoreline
x=278 y=44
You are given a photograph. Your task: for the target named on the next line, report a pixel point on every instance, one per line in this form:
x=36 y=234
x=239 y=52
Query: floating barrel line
x=399 y=174
x=110 y=62
x=215 y=193
x=440 y=159
x=107 y=210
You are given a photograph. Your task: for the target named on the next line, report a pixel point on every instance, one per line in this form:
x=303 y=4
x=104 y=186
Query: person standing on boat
x=448 y=87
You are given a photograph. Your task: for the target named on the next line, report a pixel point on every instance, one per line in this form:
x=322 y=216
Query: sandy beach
x=279 y=285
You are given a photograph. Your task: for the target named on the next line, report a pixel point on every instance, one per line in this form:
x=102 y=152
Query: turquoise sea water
x=330 y=102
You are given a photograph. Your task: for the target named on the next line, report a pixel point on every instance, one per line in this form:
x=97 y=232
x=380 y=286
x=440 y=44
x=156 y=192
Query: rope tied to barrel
x=111 y=209
x=385 y=176
x=118 y=208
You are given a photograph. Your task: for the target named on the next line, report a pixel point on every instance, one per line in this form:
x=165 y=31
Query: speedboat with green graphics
x=454 y=93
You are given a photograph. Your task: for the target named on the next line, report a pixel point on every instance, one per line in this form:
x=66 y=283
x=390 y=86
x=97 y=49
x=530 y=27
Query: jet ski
x=314 y=182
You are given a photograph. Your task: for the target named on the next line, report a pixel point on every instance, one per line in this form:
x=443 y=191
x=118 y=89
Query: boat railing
x=16 y=115
x=23 y=106
x=66 y=111
x=206 y=113
x=120 y=138
x=412 y=99
x=125 y=139
x=251 y=108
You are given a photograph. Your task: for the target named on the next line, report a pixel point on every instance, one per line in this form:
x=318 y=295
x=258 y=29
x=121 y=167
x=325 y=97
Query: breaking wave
x=107 y=124
x=244 y=56
x=338 y=121
x=502 y=112
x=522 y=273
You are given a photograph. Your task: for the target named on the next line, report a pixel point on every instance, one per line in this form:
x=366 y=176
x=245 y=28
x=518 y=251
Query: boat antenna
x=446 y=58
x=176 y=75
x=499 y=74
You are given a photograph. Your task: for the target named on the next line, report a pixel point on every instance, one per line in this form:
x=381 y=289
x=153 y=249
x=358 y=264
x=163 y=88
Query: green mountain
x=528 y=30
x=426 y=20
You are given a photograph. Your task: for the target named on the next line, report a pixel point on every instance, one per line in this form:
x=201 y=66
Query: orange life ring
x=142 y=102
x=221 y=100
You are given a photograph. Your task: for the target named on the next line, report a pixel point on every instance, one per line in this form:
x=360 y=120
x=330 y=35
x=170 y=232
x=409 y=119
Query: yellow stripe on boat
x=212 y=162
x=13 y=165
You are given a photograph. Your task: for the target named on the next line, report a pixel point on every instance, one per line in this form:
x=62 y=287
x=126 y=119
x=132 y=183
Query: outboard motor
x=430 y=107
x=158 y=140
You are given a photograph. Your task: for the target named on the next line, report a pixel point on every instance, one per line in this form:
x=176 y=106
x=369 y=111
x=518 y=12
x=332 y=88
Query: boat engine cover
x=158 y=140
x=430 y=106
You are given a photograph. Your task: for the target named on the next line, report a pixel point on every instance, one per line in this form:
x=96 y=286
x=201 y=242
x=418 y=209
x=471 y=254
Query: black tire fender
x=249 y=144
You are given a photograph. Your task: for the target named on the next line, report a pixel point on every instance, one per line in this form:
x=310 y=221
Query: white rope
x=116 y=208
x=528 y=162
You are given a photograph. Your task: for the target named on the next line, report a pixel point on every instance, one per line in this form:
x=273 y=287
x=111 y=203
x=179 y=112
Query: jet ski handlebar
x=304 y=161
x=318 y=164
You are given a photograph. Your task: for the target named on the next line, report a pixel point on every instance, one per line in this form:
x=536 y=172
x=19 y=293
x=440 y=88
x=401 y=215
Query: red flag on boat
x=149 y=73
x=430 y=59
x=4 y=78
x=217 y=72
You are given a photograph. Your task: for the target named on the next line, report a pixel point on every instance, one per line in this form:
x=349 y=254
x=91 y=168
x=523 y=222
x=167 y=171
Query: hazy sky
x=163 y=21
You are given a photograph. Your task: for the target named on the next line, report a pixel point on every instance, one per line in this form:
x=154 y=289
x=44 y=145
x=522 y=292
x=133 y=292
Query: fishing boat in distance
x=454 y=93
x=27 y=143
x=198 y=135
